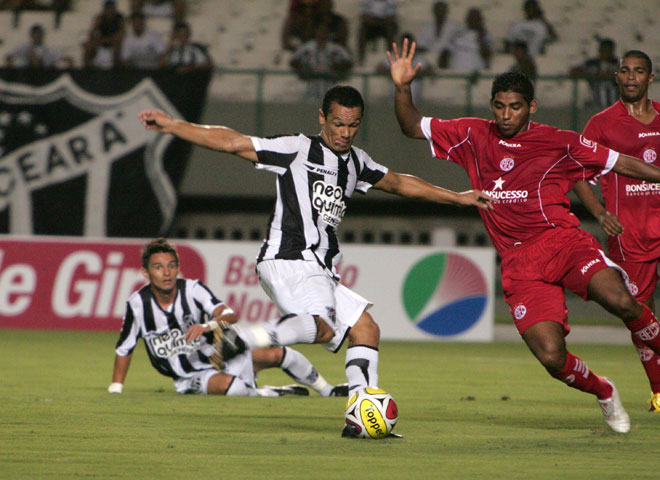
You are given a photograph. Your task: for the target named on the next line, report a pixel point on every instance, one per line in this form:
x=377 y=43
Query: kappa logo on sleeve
x=588 y=143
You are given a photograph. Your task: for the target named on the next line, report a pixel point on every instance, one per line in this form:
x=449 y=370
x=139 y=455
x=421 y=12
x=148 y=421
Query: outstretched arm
x=414 y=187
x=219 y=138
x=608 y=222
x=403 y=73
x=635 y=168
x=119 y=373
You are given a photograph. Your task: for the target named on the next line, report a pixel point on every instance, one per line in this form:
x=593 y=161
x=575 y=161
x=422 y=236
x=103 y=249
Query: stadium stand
x=245 y=35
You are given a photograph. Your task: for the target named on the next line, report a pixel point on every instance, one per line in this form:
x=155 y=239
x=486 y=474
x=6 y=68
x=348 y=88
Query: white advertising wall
x=419 y=293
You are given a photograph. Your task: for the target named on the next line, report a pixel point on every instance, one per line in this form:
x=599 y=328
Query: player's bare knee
x=626 y=307
x=218 y=384
x=552 y=357
x=550 y=350
x=365 y=331
x=324 y=331
x=267 y=357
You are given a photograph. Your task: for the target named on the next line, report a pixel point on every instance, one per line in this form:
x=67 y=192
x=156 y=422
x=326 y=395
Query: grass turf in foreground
x=465 y=410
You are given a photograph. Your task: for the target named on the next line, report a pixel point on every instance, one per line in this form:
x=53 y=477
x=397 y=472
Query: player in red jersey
x=631 y=126
x=528 y=169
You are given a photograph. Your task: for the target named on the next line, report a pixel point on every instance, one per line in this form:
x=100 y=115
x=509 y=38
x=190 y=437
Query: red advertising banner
x=418 y=293
x=79 y=285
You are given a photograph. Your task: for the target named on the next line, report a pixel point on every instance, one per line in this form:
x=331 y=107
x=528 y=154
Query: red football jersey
x=635 y=202
x=528 y=175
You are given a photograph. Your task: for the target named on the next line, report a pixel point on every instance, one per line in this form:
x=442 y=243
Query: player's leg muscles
x=546 y=341
x=608 y=288
x=263 y=358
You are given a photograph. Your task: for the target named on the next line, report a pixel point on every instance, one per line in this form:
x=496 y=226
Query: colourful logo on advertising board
x=445 y=294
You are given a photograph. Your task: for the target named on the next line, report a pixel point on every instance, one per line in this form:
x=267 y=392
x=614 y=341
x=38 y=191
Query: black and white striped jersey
x=190 y=54
x=314 y=185
x=163 y=331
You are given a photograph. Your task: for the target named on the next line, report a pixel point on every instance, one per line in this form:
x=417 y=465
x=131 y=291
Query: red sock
x=576 y=374
x=646 y=328
x=650 y=362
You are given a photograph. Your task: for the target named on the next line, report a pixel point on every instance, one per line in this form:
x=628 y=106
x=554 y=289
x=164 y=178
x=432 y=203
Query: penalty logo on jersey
x=445 y=294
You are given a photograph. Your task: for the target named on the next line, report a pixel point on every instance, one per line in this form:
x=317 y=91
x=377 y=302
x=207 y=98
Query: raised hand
x=401 y=66
x=156 y=120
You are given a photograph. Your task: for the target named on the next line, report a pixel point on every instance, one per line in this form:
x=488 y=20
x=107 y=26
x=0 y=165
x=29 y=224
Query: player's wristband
x=116 y=387
x=213 y=324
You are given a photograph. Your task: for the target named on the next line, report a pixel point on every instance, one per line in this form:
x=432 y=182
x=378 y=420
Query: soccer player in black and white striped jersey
x=317 y=176
x=167 y=314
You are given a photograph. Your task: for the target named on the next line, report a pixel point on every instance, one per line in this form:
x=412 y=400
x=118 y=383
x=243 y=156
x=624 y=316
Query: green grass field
x=466 y=411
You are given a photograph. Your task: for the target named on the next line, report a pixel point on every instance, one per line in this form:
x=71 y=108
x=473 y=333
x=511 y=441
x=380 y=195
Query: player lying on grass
x=168 y=313
x=528 y=168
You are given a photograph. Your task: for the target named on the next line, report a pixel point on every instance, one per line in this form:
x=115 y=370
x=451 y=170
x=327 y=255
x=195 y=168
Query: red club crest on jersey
x=520 y=311
x=506 y=164
x=649 y=155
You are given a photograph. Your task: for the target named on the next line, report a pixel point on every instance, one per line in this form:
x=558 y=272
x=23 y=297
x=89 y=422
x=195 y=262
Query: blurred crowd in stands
x=115 y=39
x=315 y=38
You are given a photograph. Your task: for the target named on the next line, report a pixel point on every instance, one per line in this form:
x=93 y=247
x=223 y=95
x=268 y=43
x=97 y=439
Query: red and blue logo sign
x=445 y=294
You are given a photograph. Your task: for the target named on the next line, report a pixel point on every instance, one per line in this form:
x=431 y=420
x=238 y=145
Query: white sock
x=361 y=367
x=238 y=388
x=289 y=330
x=298 y=367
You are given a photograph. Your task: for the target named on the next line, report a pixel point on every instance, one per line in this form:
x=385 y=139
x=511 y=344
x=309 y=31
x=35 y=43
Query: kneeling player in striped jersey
x=167 y=314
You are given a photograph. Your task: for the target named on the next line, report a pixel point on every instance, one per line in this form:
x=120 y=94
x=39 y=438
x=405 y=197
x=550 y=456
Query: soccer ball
x=371 y=413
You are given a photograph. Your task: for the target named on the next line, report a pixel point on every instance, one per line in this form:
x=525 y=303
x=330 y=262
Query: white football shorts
x=239 y=366
x=304 y=286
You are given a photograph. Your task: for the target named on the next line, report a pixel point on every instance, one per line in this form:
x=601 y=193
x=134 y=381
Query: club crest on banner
x=77 y=162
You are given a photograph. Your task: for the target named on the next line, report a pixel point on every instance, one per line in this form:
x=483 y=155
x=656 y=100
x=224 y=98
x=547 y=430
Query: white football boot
x=615 y=415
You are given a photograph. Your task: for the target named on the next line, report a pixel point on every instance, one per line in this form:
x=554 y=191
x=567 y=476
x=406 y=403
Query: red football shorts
x=643 y=278
x=534 y=275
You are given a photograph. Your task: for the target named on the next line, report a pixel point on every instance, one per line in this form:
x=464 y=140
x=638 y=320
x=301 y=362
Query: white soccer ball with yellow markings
x=371 y=413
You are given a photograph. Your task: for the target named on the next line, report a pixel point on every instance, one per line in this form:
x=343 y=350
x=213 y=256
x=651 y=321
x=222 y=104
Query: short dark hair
x=639 y=54
x=607 y=42
x=345 y=96
x=181 y=24
x=513 y=82
x=159 y=245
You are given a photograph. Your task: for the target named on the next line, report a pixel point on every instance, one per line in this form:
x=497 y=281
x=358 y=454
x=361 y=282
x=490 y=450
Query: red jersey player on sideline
x=631 y=126
x=528 y=168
